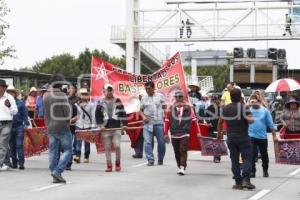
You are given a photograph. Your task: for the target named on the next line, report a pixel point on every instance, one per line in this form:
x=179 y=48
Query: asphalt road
x=136 y=181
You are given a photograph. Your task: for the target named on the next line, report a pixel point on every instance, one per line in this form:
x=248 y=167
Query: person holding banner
x=180 y=119
x=212 y=114
x=85 y=111
x=290 y=118
x=152 y=112
x=258 y=133
x=238 y=117
x=57 y=113
x=111 y=117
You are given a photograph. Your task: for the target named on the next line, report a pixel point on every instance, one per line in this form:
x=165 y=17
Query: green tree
x=5 y=51
x=71 y=66
x=64 y=63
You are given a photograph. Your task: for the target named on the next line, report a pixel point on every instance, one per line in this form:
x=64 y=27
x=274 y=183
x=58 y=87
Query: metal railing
x=119 y=34
x=208 y=32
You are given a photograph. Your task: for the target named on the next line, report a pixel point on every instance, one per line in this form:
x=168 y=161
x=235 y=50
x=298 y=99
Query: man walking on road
x=238 y=117
x=152 y=112
x=8 y=109
x=258 y=134
x=180 y=119
x=57 y=118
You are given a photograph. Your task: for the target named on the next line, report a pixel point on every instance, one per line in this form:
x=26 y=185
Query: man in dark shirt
x=57 y=113
x=237 y=117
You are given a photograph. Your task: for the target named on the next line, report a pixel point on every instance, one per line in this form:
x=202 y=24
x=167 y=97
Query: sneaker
x=21 y=167
x=265 y=174
x=4 y=167
x=150 y=163
x=86 y=160
x=108 y=168
x=137 y=156
x=118 y=167
x=160 y=162
x=58 y=178
x=248 y=185
x=181 y=172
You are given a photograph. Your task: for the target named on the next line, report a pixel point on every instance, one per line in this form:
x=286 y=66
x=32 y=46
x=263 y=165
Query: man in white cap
x=8 y=109
x=110 y=114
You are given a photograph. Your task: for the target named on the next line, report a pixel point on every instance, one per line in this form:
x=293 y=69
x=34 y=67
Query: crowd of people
x=245 y=122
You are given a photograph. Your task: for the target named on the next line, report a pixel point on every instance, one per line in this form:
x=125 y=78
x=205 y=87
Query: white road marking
x=49 y=187
x=295 y=172
x=260 y=194
x=139 y=165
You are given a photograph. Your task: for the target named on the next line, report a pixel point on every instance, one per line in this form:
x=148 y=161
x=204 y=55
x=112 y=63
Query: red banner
x=35 y=141
x=287 y=152
x=92 y=136
x=127 y=86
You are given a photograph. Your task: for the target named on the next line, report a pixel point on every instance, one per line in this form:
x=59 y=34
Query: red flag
x=127 y=86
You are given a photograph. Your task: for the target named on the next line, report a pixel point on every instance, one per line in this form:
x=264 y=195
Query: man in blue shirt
x=258 y=133
x=20 y=120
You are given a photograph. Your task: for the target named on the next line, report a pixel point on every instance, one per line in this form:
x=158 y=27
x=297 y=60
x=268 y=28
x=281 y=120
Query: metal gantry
x=213 y=20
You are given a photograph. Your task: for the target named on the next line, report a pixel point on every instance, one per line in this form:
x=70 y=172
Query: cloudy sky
x=42 y=28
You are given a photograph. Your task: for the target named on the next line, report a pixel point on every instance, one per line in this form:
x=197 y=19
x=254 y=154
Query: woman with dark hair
x=212 y=114
x=290 y=118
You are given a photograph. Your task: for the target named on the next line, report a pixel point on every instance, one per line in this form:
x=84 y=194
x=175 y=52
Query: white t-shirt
x=153 y=108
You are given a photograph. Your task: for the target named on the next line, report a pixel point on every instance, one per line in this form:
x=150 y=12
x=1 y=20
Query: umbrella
x=283 y=85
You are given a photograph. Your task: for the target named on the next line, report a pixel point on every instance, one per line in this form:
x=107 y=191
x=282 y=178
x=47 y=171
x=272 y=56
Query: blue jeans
x=56 y=141
x=78 y=144
x=16 y=145
x=87 y=148
x=237 y=147
x=148 y=134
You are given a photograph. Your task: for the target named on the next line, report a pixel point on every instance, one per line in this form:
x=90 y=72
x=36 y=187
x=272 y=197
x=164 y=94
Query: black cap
x=3 y=83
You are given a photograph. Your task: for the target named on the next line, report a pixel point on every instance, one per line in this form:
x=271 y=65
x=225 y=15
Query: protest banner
x=213 y=147
x=35 y=141
x=127 y=86
x=287 y=151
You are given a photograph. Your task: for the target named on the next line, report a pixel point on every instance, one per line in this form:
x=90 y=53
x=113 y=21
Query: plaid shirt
x=292 y=119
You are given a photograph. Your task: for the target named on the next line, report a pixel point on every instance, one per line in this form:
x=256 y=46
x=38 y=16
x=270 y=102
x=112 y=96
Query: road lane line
x=139 y=165
x=47 y=187
x=260 y=194
x=295 y=172
x=50 y=187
